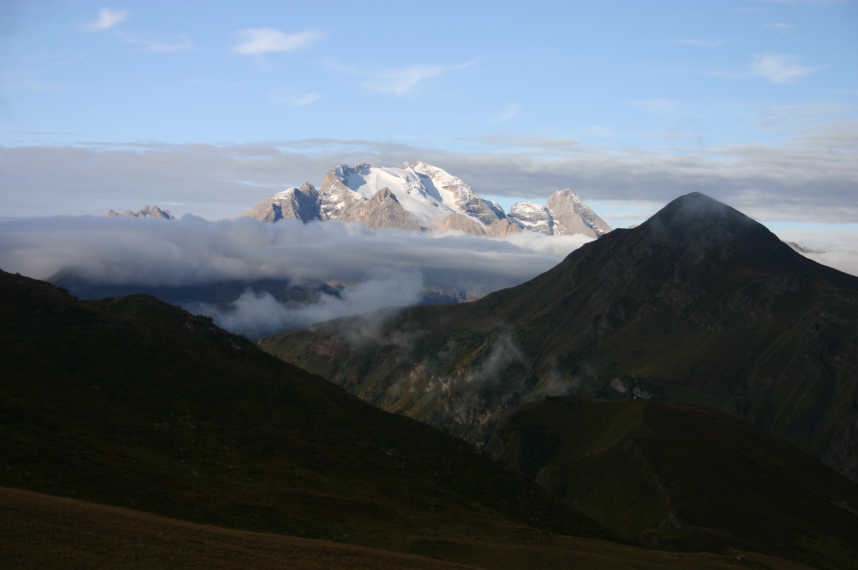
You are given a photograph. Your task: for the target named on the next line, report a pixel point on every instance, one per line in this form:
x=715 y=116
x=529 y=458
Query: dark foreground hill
x=45 y=532
x=684 y=477
x=133 y=403
x=700 y=304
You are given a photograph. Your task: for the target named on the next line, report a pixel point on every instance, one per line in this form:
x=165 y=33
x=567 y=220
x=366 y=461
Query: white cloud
x=385 y=267
x=108 y=18
x=509 y=113
x=258 y=314
x=779 y=68
x=258 y=41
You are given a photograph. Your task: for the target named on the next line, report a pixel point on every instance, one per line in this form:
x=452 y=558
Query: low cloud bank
x=256 y=314
x=380 y=268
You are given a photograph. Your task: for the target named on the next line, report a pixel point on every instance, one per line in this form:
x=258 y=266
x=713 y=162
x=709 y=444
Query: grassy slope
x=685 y=477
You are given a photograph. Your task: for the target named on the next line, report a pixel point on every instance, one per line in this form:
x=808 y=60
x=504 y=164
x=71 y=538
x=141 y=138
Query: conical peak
x=694 y=213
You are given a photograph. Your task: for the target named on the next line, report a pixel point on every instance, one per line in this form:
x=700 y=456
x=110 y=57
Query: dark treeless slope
x=42 y=531
x=133 y=403
x=684 y=477
x=700 y=304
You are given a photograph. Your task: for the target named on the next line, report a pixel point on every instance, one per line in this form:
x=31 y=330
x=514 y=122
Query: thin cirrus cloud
x=108 y=18
x=290 y=96
x=402 y=80
x=779 y=26
x=508 y=114
x=181 y=42
x=779 y=68
x=259 y=41
x=700 y=43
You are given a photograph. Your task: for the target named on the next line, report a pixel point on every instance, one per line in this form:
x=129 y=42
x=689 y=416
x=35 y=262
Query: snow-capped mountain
x=419 y=196
x=565 y=214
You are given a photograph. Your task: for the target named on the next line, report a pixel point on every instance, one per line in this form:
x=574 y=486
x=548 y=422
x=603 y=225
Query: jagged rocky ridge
x=700 y=304
x=419 y=196
x=147 y=212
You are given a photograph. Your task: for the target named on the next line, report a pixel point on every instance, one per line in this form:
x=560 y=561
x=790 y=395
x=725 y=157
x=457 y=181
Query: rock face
x=384 y=211
x=503 y=228
x=700 y=304
x=532 y=217
x=463 y=223
x=564 y=214
x=419 y=196
x=572 y=216
x=293 y=203
x=146 y=212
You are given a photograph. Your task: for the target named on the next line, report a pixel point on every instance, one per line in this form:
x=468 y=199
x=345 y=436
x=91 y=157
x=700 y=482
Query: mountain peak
x=695 y=216
x=149 y=211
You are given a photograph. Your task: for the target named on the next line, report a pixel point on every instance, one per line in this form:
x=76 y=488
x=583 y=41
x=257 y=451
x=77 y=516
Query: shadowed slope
x=41 y=531
x=700 y=304
x=135 y=403
x=684 y=477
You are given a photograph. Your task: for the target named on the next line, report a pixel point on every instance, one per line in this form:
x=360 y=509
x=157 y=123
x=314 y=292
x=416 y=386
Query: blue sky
x=210 y=107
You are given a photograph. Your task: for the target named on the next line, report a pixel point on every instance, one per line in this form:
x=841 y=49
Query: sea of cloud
x=380 y=268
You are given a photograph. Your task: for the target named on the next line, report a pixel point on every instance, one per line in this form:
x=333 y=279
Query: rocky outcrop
x=564 y=214
x=383 y=211
x=572 y=216
x=533 y=217
x=293 y=203
x=503 y=228
x=463 y=223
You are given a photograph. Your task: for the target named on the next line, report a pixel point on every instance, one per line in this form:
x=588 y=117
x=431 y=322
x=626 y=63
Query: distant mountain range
x=419 y=196
x=146 y=212
x=416 y=196
x=700 y=304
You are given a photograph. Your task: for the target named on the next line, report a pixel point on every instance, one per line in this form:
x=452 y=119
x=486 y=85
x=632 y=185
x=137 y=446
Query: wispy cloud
x=290 y=96
x=107 y=18
x=180 y=42
x=21 y=81
x=258 y=41
x=701 y=43
x=664 y=108
x=509 y=113
x=402 y=80
x=787 y=118
x=779 y=68
x=779 y=26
